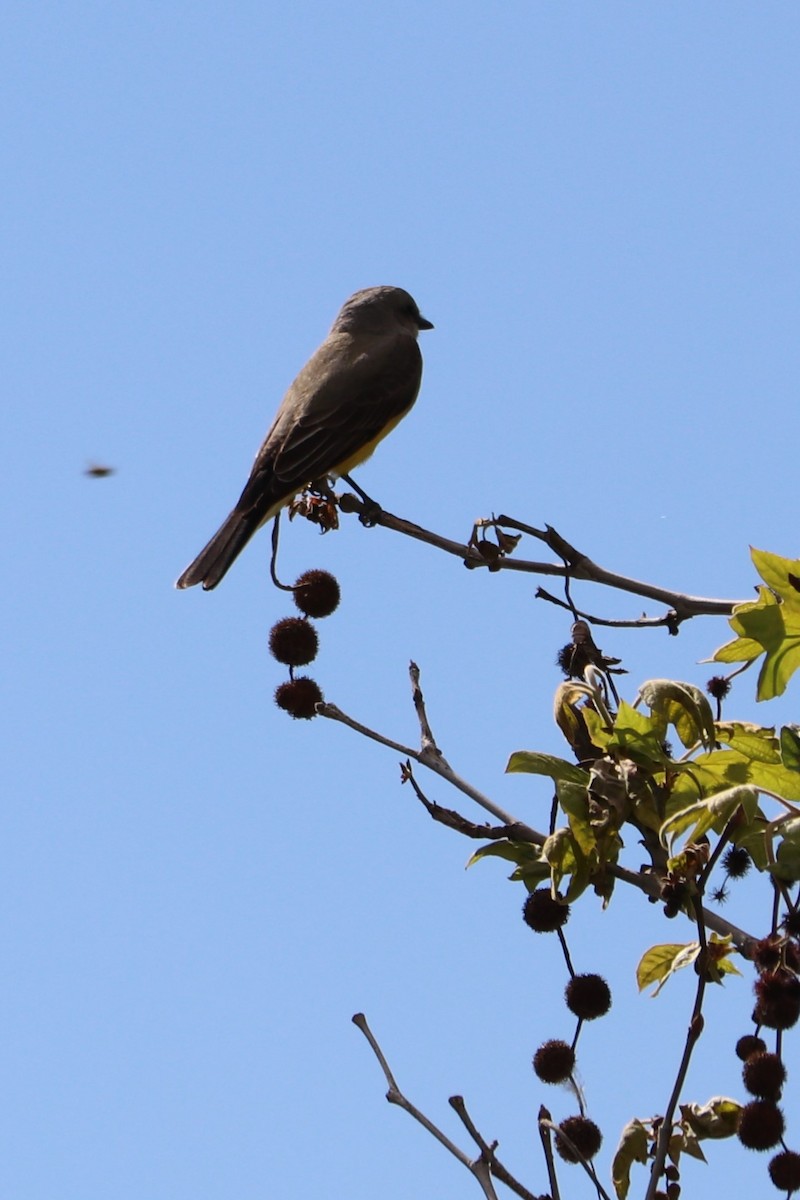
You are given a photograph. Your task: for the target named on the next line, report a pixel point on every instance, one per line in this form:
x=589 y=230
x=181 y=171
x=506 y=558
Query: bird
x=354 y=389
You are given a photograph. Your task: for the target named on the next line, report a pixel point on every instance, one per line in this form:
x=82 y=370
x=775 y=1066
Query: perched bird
x=353 y=390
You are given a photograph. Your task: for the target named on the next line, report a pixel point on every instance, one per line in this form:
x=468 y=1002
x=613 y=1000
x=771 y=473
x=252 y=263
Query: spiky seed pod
x=766 y=953
x=791 y=923
x=784 y=1171
x=718 y=687
x=299 y=697
x=544 y=914
x=777 y=999
x=554 y=1061
x=588 y=996
x=761 y=1125
x=316 y=593
x=584 y=1135
x=736 y=862
x=749 y=1044
x=764 y=1075
x=294 y=641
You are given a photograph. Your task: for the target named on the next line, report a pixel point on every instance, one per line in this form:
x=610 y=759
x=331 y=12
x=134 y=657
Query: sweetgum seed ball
x=299 y=697
x=584 y=1135
x=554 y=1061
x=761 y=1125
x=778 y=999
x=749 y=1044
x=588 y=996
x=784 y=1171
x=294 y=641
x=544 y=914
x=316 y=593
x=764 y=1075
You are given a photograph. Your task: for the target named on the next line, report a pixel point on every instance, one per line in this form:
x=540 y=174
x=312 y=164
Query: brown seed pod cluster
x=761 y=1121
x=294 y=642
x=587 y=997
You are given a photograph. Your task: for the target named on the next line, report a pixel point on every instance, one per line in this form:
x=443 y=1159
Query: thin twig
x=642 y=622
x=545 y=1125
x=427 y=740
x=488 y=1151
x=580 y=566
x=693 y=1033
x=427 y=758
x=581 y=1158
x=273 y=562
x=479 y=1168
x=519 y=831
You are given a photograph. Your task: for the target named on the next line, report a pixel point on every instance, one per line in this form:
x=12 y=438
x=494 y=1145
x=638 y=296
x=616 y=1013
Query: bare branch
x=544 y=1121
x=488 y=1151
x=513 y=829
x=696 y=1022
x=575 y=564
x=480 y=1168
x=585 y=1163
x=431 y=758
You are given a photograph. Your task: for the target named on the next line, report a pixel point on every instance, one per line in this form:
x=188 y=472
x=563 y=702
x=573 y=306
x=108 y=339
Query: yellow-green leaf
x=718 y=1118
x=682 y=705
x=659 y=962
x=632 y=1148
x=769 y=625
x=712 y=813
x=532 y=763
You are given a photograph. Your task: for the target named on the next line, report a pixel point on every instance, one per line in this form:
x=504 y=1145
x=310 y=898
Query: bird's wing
x=338 y=404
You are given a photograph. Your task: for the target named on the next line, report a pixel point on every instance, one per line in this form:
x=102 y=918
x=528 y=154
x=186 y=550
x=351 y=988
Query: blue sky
x=596 y=204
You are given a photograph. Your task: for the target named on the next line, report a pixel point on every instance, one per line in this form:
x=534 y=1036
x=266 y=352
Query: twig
x=581 y=1158
x=579 y=566
x=427 y=740
x=667 y=620
x=516 y=830
x=693 y=1033
x=273 y=562
x=478 y=1168
x=488 y=1151
x=434 y=760
x=545 y=1125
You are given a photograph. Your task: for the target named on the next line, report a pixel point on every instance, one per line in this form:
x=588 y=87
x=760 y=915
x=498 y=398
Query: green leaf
x=565 y=857
x=720 y=769
x=768 y=625
x=753 y=839
x=522 y=853
x=638 y=737
x=790 y=747
x=718 y=1118
x=532 y=763
x=756 y=743
x=684 y=1142
x=787 y=858
x=659 y=962
x=712 y=813
x=682 y=705
x=632 y=1148
x=574 y=802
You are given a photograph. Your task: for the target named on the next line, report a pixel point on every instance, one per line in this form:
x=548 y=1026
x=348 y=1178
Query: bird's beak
x=423 y=324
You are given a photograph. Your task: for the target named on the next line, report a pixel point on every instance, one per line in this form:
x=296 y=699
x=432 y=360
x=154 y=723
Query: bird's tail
x=225 y=546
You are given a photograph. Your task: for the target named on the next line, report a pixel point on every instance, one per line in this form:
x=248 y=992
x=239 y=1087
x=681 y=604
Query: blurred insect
x=97 y=471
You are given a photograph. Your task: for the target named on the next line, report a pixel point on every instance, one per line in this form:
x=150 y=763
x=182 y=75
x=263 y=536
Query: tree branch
x=480 y=1168
x=430 y=756
x=574 y=565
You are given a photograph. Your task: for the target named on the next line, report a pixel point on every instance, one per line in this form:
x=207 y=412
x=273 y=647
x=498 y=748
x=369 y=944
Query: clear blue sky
x=597 y=205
